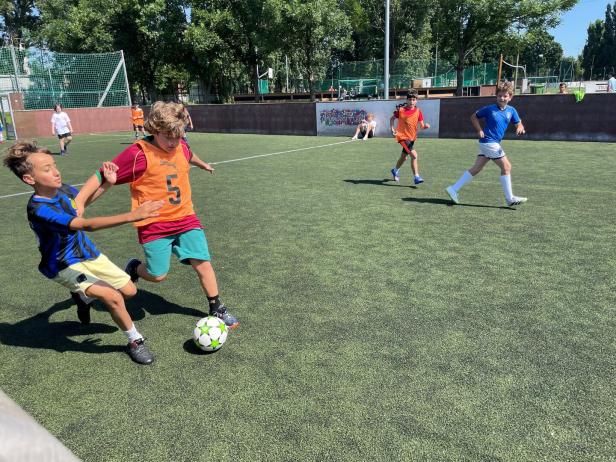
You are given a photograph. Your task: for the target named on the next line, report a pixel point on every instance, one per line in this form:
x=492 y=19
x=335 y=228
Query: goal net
x=73 y=80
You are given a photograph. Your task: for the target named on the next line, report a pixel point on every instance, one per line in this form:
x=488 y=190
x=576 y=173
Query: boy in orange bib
x=156 y=168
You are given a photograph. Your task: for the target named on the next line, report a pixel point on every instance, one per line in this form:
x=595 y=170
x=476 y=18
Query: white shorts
x=80 y=276
x=491 y=150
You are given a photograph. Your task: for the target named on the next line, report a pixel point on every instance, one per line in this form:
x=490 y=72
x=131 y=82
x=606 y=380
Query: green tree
x=19 y=20
x=466 y=25
x=591 y=51
x=209 y=37
x=149 y=31
x=540 y=53
x=315 y=29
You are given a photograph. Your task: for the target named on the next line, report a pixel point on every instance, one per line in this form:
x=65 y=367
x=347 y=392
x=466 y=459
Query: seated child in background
x=366 y=128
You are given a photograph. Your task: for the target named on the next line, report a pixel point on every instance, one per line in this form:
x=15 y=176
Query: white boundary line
x=223 y=161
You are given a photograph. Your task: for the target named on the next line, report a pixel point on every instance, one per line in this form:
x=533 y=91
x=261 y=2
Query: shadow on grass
x=147 y=302
x=190 y=347
x=39 y=331
x=439 y=201
x=383 y=182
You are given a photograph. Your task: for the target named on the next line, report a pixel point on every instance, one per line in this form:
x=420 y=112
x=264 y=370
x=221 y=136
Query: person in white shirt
x=61 y=126
x=366 y=128
x=611 y=84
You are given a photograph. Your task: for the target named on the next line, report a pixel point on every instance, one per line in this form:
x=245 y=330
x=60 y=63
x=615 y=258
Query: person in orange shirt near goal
x=137 y=116
x=409 y=118
x=157 y=168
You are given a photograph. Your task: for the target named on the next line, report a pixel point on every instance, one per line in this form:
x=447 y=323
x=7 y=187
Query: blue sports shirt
x=60 y=246
x=496 y=122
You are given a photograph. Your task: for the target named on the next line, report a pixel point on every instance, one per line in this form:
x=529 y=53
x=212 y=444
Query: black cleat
x=83 y=309
x=131 y=269
x=221 y=313
x=139 y=352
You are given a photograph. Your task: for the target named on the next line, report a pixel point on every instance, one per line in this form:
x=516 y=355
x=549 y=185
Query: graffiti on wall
x=335 y=117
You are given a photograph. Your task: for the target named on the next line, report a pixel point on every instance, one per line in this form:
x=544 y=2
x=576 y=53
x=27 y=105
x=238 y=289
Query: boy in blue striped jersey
x=68 y=256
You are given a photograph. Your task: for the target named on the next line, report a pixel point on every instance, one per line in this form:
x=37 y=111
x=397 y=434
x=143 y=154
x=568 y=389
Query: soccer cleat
x=83 y=308
x=418 y=179
x=221 y=313
x=139 y=352
x=516 y=201
x=354 y=138
x=453 y=194
x=394 y=174
x=61 y=152
x=131 y=269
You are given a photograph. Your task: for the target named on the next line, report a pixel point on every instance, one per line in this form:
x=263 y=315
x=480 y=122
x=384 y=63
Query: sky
x=573 y=28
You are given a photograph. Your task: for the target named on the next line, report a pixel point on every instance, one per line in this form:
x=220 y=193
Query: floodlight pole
x=386 y=76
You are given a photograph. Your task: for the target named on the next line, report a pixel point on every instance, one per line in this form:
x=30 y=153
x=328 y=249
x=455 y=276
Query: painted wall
x=341 y=118
x=35 y=124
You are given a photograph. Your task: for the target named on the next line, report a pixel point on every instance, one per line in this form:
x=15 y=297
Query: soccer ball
x=210 y=333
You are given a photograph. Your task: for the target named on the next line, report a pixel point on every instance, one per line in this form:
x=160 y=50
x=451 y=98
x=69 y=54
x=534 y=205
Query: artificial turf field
x=378 y=321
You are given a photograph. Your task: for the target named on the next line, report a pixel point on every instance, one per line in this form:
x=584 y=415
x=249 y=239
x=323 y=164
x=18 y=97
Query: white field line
x=218 y=163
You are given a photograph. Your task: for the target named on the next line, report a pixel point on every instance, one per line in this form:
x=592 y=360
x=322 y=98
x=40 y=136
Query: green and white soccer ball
x=210 y=333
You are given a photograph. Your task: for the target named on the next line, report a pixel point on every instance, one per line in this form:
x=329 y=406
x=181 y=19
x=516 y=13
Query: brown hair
x=16 y=157
x=166 y=118
x=504 y=87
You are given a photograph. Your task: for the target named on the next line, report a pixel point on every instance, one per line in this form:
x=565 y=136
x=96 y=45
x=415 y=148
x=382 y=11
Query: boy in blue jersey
x=497 y=118
x=68 y=256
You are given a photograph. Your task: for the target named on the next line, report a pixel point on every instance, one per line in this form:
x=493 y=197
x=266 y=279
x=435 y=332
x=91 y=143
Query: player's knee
x=112 y=299
x=160 y=278
x=129 y=290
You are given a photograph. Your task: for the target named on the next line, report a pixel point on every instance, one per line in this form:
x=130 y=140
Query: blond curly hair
x=167 y=118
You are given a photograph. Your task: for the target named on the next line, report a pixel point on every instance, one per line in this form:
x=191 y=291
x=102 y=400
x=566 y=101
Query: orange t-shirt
x=137 y=115
x=407 y=123
x=165 y=178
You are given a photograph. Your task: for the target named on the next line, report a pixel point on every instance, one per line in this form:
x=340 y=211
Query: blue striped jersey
x=60 y=246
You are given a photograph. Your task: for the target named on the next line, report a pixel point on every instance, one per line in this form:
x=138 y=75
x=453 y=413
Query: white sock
x=506 y=183
x=132 y=334
x=465 y=178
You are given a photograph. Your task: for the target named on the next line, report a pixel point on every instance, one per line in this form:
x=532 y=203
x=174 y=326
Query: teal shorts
x=186 y=245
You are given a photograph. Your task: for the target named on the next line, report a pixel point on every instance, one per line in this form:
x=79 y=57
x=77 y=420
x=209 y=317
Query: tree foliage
x=599 y=53
x=224 y=45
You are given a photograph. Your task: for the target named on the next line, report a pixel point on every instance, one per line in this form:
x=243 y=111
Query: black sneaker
x=139 y=352
x=83 y=308
x=131 y=269
x=221 y=313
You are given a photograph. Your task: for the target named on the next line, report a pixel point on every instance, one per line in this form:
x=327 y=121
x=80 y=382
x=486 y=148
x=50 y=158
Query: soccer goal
x=44 y=78
x=358 y=88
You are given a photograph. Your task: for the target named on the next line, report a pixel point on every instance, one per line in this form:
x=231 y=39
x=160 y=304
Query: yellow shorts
x=80 y=276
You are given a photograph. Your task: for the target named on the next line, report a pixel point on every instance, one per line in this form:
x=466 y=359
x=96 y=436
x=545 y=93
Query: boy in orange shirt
x=409 y=117
x=156 y=168
x=137 y=117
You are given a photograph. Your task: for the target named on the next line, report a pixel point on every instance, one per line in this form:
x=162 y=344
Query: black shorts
x=409 y=144
x=363 y=133
x=137 y=127
x=66 y=135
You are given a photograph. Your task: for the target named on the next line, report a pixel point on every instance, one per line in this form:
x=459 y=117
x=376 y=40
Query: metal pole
x=286 y=65
x=386 y=76
x=15 y=70
x=130 y=103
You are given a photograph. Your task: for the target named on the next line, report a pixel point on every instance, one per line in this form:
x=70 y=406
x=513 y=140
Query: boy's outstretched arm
x=95 y=186
x=194 y=160
x=146 y=210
